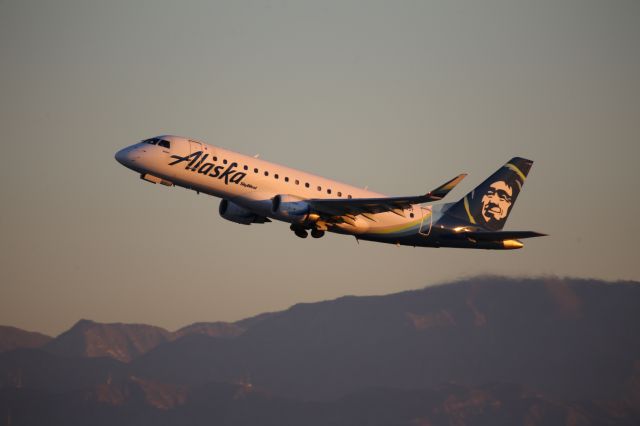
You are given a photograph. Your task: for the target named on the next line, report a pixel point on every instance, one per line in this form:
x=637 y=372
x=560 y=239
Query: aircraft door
x=427 y=217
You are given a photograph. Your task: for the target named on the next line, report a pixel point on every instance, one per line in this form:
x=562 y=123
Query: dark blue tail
x=490 y=204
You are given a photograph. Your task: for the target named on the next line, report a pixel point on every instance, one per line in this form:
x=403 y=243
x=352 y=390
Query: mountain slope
x=14 y=338
x=570 y=338
x=483 y=351
x=132 y=402
x=123 y=342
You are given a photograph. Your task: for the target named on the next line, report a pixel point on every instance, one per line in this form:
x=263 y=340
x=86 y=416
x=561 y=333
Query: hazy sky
x=398 y=96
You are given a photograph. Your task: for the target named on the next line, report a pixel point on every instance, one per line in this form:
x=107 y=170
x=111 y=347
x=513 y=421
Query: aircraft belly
x=389 y=226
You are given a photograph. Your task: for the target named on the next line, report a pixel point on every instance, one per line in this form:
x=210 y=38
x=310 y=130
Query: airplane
x=255 y=191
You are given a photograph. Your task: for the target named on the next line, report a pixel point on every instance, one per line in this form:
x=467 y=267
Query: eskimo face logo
x=497 y=201
x=197 y=163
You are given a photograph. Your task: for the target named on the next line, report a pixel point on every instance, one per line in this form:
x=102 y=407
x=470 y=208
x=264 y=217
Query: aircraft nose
x=128 y=156
x=122 y=156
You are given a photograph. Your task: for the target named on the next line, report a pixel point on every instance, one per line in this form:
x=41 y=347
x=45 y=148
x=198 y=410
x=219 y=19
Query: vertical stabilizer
x=490 y=204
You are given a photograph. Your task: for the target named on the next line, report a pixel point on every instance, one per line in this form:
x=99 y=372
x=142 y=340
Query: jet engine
x=290 y=207
x=238 y=214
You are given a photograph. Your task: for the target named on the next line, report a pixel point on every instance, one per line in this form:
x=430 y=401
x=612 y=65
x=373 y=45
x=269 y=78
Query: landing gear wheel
x=316 y=233
x=301 y=233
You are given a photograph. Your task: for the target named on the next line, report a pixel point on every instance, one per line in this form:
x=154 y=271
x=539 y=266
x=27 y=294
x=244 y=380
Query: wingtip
x=456 y=180
x=460 y=177
x=445 y=188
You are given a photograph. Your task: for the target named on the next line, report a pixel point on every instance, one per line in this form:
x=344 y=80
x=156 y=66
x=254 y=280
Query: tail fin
x=490 y=204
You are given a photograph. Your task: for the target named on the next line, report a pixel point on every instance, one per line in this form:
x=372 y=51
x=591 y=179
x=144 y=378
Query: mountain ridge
x=479 y=351
x=14 y=338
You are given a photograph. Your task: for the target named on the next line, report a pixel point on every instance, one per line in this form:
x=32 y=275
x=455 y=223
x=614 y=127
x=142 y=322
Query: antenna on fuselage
x=256 y=156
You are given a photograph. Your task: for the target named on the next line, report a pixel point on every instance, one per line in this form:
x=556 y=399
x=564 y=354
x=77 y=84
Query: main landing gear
x=299 y=231
x=302 y=232
x=317 y=233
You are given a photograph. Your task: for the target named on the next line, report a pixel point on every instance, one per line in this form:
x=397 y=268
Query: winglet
x=440 y=192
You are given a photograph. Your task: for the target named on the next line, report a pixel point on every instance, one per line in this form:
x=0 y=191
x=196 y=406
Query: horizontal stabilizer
x=499 y=235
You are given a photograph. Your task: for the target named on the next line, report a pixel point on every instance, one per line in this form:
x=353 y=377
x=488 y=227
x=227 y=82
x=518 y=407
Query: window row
x=286 y=179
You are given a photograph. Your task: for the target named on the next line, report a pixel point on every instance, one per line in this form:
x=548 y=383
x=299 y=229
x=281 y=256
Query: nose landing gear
x=317 y=233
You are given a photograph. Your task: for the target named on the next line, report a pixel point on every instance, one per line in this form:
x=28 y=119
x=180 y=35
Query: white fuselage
x=253 y=183
x=256 y=191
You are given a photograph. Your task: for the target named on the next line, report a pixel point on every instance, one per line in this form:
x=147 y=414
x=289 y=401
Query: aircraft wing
x=357 y=206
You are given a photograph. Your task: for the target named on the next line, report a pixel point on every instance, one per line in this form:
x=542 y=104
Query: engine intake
x=290 y=206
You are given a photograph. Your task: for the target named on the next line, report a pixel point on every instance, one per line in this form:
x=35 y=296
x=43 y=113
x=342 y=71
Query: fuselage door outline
x=425 y=224
x=195 y=146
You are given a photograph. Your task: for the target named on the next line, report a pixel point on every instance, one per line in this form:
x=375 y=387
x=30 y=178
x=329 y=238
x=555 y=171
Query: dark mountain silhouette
x=483 y=351
x=15 y=338
x=133 y=402
x=212 y=329
x=40 y=370
x=221 y=329
x=569 y=338
x=257 y=319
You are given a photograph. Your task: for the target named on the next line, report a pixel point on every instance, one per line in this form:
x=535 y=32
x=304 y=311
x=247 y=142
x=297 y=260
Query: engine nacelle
x=290 y=207
x=238 y=214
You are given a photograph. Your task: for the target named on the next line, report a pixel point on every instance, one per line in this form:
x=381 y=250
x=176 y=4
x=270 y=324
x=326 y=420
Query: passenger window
x=306 y=184
x=297 y=182
x=328 y=191
x=275 y=176
x=266 y=173
x=246 y=167
x=286 y=179
x=215 y=158
x=349 y=196
x=339 y=194
x=319 y=188
x=255 y=170
x=224 y=161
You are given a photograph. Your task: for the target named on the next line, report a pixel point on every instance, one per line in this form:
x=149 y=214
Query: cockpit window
x=158 y=141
